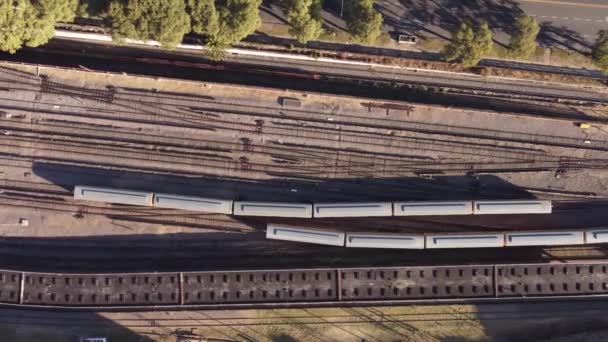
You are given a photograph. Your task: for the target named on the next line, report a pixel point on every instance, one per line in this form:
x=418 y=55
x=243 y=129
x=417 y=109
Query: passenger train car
x=311 y=210
x=436 y=241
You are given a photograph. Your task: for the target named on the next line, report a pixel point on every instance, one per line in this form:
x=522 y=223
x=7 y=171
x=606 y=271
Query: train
x=310 y=210
x=436 y=240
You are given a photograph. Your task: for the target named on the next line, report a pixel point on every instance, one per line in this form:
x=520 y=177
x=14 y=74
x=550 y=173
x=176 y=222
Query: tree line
x=220 y=23
x=471 y=42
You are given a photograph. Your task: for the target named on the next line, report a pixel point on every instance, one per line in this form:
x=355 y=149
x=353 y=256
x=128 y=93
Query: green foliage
x=23 y=22
x=469 y=45
x=523 y=41
x=237 y=20
x=165 y=21
x=364 y=23
x=204 y=17
x=304 y=16
x=599 y=54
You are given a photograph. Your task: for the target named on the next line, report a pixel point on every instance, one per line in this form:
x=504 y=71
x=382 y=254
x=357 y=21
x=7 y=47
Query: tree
x=523 y=40
x=469 y=45
x=304 y=16
x=364 y=23
x=165 y=21
x=237 y=20
x=23 y=22
x=599 y=54
x=204 y=17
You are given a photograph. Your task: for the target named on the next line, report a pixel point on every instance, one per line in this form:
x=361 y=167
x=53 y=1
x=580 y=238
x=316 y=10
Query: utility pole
x=341 y=8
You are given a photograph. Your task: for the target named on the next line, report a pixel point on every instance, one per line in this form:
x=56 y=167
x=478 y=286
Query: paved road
x=561 y=19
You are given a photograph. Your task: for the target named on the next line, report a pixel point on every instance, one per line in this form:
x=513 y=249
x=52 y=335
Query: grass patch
x=431 y=44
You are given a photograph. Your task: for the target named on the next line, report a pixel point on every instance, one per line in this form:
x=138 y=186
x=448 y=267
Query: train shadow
x=17 y=325
x=288 y=189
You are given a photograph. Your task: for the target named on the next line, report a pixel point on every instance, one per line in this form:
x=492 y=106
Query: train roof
x=404 y=241
x=273 y=209
x=512 y=207
x=433 y=208
x=363 y=209
x=307 y=235
x=210 y=205
x=109 y=195
x=545 y=238
x=464 y=240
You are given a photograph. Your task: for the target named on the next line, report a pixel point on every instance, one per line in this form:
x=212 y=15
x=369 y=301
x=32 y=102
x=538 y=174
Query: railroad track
x=305 y=287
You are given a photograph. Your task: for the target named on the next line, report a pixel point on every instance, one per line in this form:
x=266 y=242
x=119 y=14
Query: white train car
x=306 y=235
x=511 y=207
x=397 y=241
x=545 y=238
x=208 y=205
x=433 y=208
x=368 y=209
x=109 y=195
x=272 y=209
x=481 y=240
x=597 y=235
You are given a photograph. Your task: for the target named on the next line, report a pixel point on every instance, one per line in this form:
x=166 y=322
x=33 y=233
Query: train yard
x=65 y=127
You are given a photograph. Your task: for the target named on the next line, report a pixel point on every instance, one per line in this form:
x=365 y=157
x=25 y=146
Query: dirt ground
x=533 y=322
